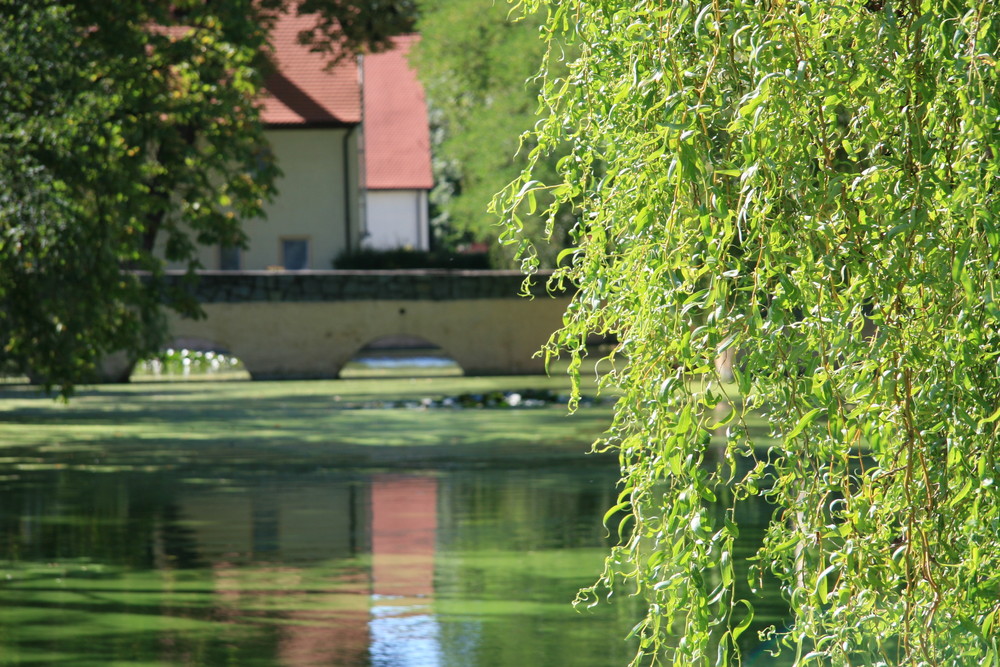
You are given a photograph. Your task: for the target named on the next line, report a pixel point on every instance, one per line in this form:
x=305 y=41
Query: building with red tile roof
x=353 y=144
x=397 y=150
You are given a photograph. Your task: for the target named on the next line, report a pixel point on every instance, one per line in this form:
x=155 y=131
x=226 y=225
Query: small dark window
x=295 y=254
x=263 y=160
x=229 y=258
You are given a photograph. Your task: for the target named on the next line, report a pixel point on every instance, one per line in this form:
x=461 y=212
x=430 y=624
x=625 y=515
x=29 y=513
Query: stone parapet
x=322 y=286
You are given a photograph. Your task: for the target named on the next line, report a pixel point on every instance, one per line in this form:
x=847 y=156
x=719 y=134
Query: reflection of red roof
x=397 y=134
x=303 y=91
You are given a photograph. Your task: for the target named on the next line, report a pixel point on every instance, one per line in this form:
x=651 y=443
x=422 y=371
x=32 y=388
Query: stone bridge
x=308 y=324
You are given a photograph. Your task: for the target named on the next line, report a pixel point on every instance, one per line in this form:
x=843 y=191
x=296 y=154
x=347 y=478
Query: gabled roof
x=397 y=132
x=303 y=92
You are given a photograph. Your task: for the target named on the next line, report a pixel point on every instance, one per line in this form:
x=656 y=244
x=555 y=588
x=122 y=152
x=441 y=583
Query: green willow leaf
x=803 y=423
x=803 y=197
x=745 y=622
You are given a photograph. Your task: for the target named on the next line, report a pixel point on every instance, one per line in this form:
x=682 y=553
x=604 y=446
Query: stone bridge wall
x=306 y=286
x=309 y=324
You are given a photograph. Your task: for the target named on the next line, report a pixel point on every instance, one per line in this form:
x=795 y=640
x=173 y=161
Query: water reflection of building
x=404 y=629
x=404 y=535
x=291 y=521
x=303 y=568
x=293 y=558
x=347 y=569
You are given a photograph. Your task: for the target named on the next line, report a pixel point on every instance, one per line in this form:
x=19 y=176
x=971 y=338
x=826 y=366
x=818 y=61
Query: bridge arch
x=190 y=356
x=400 y=356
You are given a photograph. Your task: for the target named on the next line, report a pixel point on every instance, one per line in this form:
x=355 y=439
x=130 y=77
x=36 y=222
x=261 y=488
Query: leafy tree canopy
x=126 y=126
x=816 y=187
x=477 y=63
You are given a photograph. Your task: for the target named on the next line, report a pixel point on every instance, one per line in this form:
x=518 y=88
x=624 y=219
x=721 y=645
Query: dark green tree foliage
x=352 y=26
x=815 y=184
x=70 y=216
x=477 y=64
x=129 y=133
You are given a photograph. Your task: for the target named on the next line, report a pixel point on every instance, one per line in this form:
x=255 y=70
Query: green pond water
x=308 y=524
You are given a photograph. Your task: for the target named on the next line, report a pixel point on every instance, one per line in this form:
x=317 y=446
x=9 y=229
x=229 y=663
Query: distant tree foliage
x=477 y=65
x=815 y=186
x=128 y=127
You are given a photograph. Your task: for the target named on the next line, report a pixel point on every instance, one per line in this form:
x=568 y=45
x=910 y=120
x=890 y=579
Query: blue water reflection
x=404 y=637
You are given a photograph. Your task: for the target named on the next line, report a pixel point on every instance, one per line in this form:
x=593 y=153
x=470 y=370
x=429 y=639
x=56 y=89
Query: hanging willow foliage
x=811 y=188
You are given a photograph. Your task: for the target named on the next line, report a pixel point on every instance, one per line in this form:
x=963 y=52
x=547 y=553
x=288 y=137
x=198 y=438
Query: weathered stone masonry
x=304 y=286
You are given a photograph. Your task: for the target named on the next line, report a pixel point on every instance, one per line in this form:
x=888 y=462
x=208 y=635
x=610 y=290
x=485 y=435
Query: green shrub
x=368 y=259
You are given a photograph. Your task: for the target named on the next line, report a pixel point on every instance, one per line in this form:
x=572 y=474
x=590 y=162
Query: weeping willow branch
x=812 y=189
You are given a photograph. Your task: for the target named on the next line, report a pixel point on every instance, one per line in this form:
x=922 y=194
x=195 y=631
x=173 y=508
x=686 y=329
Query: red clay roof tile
x=304 y=91
x=397 y=133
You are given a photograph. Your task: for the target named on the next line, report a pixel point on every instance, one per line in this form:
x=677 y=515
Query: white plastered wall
x=317 y=198
x=396 y=219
